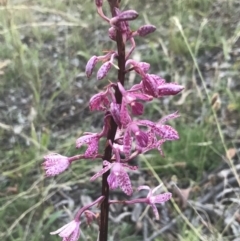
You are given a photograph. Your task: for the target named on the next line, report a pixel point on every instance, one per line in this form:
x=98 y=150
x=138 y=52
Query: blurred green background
x=44 y=47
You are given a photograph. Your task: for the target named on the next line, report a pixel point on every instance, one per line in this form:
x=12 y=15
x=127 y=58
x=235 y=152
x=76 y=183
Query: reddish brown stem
x=103 y=235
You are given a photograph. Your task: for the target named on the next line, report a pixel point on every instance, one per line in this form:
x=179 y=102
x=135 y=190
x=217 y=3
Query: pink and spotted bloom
x=133 y=131
x=69 y=232
x=99 y=101
x=118 y=176
x=152 y=200
x=130 y=98
x=165 y=132
x=157 y=87
x=55 y=164
x=91 y=140
x=140 y=67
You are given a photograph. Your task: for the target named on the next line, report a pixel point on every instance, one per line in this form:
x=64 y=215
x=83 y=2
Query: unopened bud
x=90 y=65
x=169 y=89
x=142 y=66
x=127 y=15
x=124 y=16
x=103 y=71
x=145 y=30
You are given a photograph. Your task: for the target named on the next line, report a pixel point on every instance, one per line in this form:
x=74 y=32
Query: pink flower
x=140 y=67
x=91 y=139
x=143 y=66
x=164 y=131
x=118 y=176
x=99 y=101
x=55 y=164
x=151 y=200
x=69 y=232
x=130 y=96
x=150 y=84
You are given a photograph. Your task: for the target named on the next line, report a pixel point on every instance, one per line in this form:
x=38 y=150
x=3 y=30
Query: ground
x=44 y=107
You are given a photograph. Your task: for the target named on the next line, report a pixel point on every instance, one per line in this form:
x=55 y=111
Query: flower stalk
x=103 y=229
x=125 y=134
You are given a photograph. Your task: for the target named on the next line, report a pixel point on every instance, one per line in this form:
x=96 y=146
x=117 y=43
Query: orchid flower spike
x=152 y=200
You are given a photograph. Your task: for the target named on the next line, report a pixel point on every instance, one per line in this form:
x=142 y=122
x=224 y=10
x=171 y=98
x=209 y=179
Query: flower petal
x=155 y=211
x=143 y=187
x=167 y=132
x=101 y=172
x=125 y=183
x=127 y=142
x=115 y=111
x=161 y=198
x=169 y=117
x=55 y=164
x=99 y=101
x=92 y=149
x=112 y=181
x=124 y=115
x=137 y=108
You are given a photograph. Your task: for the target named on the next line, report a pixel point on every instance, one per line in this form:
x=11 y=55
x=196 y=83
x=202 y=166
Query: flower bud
x=143 y=66
x=127 y=15
x=104 y=69
x=169 y=89
x=124 y=16
x=145 y=30
x=90 y=65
